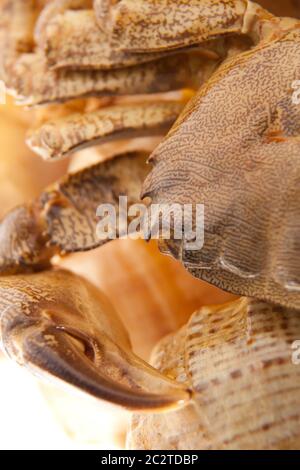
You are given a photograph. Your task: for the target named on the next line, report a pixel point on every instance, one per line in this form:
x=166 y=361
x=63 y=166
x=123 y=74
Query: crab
x=216 y=80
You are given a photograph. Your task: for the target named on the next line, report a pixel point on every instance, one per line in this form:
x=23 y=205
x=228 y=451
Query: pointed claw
x=57 y=324
x=58 y=138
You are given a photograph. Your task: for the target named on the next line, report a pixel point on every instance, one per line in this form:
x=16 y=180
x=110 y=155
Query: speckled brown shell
x=229 y=372
x=235 y=149
x=237 y=358
x=58 y=324
x=63 y=219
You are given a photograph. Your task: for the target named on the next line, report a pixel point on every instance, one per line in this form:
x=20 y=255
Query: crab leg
x=32 y=83
x=160 y=25
x=16 y=25
x=59 y=326
x=58 y=138
x=63 y=219
x=29 y=79
x=244 y=163
x=61 y=41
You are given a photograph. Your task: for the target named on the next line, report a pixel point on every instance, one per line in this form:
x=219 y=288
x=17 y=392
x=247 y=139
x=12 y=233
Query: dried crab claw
x=237 y=359
x=57 y=138
x=242 y=163
x=31 y=82
x=64 y=218
x=16 y=26
x=58 y=325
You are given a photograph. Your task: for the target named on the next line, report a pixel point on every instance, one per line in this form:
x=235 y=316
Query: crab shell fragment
x=234 y=148
x=236 y=172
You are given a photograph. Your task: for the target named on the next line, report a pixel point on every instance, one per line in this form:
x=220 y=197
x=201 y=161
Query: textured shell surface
x=237 y=359
x=213 y=86
x=232 y=161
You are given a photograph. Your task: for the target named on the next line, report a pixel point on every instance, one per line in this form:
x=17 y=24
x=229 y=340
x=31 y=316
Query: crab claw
x=62 y=221
x=243 y=166
x=58 y=138
x=58 y=325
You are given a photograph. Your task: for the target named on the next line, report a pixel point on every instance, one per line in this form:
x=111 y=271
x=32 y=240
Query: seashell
x=237 y=359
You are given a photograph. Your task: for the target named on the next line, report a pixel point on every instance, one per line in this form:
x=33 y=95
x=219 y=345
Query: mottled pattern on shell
x=56 y=323
x=237 y=358
x=169 y=23
x=59 y=137
x=242 y=162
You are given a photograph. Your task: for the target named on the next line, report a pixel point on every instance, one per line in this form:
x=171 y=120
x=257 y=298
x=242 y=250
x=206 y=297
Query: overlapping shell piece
x=22 y=175
x=237 y=360
x=157 y=294
x=233 y=148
